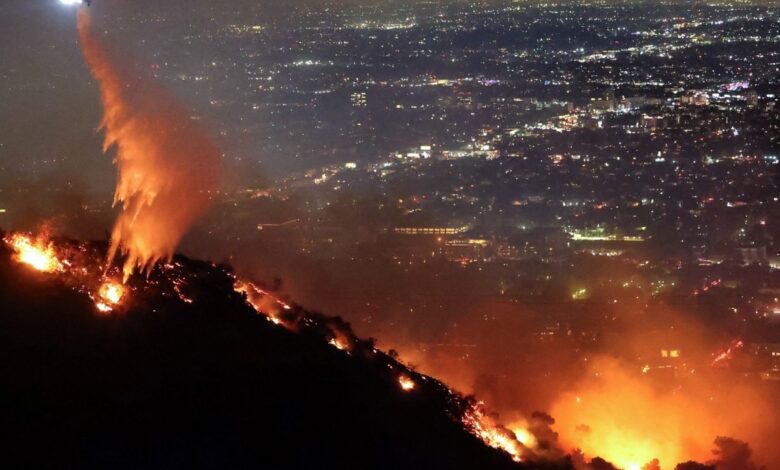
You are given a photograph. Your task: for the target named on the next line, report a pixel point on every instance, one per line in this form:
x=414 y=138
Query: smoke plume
x=166 y=164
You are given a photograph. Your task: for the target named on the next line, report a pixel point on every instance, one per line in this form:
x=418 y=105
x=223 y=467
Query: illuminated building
x=431 y=230
x=358 y=99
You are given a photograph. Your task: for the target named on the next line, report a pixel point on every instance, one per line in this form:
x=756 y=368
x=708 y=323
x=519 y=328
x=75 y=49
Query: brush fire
x=80 y=266
x=36 y=253
x=614 y=414
x=75 y=264
x=110 y=294
x=167 y=168
x=406 y=383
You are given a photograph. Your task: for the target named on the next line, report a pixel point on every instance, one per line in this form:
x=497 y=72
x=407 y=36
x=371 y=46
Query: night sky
x=50 y=106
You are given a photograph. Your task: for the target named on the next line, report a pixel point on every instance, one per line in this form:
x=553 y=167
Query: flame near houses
x=628 y=422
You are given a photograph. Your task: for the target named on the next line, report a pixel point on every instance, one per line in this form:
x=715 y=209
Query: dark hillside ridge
x=209 y=384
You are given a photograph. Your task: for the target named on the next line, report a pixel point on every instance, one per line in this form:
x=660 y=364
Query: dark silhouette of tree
x=732 y=454
x=691 y=465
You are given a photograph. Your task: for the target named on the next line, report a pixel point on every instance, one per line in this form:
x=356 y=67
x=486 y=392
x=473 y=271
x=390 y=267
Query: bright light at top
x=71 y=2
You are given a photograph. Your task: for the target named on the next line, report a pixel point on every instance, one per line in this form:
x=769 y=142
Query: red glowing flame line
x=727 y=354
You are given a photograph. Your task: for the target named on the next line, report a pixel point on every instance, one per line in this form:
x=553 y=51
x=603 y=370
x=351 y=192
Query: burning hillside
x=167 y=168
x=122 y=355
x=196 y=355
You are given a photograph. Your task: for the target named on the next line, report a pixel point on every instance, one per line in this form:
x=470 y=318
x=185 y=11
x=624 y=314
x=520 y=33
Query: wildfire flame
x=109 y=296
x=263 y=303
x=726 y=355
x=479 y=423
x=340 y=342
x=37 y=253
x=474 y=418
x=523 y=435
x=42 y=255
x=406 y=383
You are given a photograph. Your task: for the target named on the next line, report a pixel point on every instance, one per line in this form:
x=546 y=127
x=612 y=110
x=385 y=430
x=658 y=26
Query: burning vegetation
x=109 y=295
x=80 y=267
x=74 y=263
x=406 y=383
x=37 y=253
x=470 y=413
x=613 y=414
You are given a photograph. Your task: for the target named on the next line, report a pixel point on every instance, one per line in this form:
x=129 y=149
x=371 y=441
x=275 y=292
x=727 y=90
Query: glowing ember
x=338 y=344
x=726 y=355
x=263 y=303
x=474 y=418
x=182 y=296
x=406 y=383
x=103 y=307
x=37 y=254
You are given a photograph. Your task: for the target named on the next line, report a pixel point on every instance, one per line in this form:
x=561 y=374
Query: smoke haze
x=166 y=164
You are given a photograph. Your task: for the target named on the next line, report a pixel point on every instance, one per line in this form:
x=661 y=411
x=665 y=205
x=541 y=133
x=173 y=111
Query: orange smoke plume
x=166 y=165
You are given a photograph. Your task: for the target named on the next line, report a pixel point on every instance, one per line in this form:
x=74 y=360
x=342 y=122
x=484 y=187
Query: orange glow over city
x=617 y=415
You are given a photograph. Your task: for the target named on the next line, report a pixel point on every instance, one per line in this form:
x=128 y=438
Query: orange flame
x=110 y=295
x=406 y=383
x=523 y=434
x=166 y=165
x=340 y=341
x=37 y=253
x=263 y=303
x=727 y=355
x=617 y=414
x=491 y=433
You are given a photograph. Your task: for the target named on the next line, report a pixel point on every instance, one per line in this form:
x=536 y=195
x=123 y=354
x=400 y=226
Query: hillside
x=207 y=383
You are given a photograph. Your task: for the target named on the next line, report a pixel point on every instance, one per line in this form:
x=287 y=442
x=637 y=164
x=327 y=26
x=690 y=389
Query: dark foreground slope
x=202 y=385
